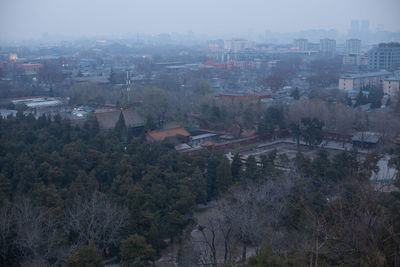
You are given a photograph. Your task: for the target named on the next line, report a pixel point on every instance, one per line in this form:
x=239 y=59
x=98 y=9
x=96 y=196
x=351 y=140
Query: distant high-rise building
x=384 y=56
x=236 y=45
x=365 y=32
x=301 y=44
x=327 y=46
x=353 y=46
x=360 y=30
x=364 y=26
x=379 y=28
x=313 y=47
x=354 y=30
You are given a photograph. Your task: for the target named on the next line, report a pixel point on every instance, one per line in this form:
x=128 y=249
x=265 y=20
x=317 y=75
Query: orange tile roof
x=160 y=135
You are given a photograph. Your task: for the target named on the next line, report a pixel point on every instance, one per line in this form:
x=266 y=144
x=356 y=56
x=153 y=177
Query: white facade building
x=353 y=46
x=391 y=86
x=358 y=81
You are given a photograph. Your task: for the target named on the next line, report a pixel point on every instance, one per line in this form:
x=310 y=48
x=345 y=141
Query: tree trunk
x=244 y=256
x=316 y=251
x=214 y=250
x=226 y=252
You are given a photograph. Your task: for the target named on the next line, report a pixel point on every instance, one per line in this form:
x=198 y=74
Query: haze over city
x=207 y=133
x=26 y=19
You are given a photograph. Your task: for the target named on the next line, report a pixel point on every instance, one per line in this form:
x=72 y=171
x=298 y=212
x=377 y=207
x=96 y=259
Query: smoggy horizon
x=26 y=19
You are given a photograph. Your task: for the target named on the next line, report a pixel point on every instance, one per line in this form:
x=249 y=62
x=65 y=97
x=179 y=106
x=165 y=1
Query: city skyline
x=27 y=19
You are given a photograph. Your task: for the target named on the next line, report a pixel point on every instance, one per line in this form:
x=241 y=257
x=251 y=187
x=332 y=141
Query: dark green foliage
x=251 y=168
x=312 y=132
x=361 y=99
x=120 y=128
x=272 y=121
x=85 y=257
x=136 y=252
x=5 y=186
x=203 y=87
x=268 y=169
x=200 y=185
x=150 y=124
x=54 y=162
x=295 y=94
x=375 y=96
x=295 y=131
x=236 y=167
x=211 y=176
x=223 y=175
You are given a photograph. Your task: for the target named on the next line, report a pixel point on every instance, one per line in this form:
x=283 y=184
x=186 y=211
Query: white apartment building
x=353 y=47
x=236 y=45
x=301 y=44
x=391 y=86
x=327 y=46
x=358 y=81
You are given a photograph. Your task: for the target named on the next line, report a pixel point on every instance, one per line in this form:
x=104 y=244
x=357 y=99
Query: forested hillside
x=74 y=195
x=63 y=187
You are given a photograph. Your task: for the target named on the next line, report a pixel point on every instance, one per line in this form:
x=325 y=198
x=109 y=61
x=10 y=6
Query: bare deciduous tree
x=6 y=231
x=95 y=219
x=37 y=237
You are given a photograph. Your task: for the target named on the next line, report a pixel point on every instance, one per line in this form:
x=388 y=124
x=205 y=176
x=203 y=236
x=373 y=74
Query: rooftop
x=356 y=92
x=108 y=119
x=36 y=102
x=367 y=137
x=132 y=118
x=365 y=75
x=201 y=136
x=160 y=135
x=393 y=79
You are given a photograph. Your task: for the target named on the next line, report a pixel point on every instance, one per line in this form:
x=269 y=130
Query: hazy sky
x=23 y=19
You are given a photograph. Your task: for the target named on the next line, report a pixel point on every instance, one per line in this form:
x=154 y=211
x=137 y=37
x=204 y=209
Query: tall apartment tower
x=385 y=56
x=327 y=46
x=353 y=46
x=354 y=29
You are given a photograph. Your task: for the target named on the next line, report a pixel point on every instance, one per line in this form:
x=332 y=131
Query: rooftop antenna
x=128 y=86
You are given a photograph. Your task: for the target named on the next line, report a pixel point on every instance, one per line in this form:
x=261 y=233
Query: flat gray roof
x=393 y=79
x=203 y=136
x=365 y=75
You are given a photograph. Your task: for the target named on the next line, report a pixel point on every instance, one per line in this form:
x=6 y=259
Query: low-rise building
x=197 y=140
x=359 y=81
x=38 y=101
x=366 y=140
x=391 y=86
x=108 y=119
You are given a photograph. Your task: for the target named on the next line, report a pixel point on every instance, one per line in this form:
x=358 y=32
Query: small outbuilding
x=366 y=140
